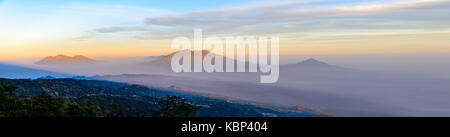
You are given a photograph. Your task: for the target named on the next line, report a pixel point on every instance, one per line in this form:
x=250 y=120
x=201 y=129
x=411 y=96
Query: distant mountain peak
x=168 y=58
x=63 y=59
x=204 y=52
x=313 y=62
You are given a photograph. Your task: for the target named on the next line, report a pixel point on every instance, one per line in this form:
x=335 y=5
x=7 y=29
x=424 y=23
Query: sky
x=97 y=28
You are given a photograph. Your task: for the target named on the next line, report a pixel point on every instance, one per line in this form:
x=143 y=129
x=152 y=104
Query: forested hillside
x=111 y=99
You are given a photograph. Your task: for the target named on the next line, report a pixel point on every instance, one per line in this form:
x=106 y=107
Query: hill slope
x=136 y=98
x=62 y=59
x=12 y=71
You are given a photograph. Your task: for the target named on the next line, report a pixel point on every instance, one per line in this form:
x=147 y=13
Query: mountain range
x=62 y=59
x=103 y=92
x=312 y=63
x=310 y=83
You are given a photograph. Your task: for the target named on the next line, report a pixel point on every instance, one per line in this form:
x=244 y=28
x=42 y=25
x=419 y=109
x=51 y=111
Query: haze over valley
x=309 y=83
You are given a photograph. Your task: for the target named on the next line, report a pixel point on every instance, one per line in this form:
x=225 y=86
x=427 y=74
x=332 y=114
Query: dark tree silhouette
x=173 y=106
x=45 y=105
x=40 y=106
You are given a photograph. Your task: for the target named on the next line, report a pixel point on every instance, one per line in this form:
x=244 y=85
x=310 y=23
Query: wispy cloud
x=403 y=5
x=120 y=29
x=285 y=17
x=346 y=36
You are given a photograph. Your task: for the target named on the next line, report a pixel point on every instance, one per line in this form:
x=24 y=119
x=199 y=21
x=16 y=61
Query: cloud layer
x=293 y=17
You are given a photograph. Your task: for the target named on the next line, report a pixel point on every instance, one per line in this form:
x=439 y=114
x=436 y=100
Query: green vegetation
x=45 y=105
x=173 y=106
x=40 y=106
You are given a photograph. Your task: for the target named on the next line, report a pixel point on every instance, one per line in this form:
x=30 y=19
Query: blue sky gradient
x=304 y=26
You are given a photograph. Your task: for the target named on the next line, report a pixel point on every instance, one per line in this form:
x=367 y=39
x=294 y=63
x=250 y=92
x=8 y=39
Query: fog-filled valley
x=345 y=85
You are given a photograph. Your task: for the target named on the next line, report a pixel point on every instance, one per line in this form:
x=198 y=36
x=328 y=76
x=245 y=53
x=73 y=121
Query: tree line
x=44 y=105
